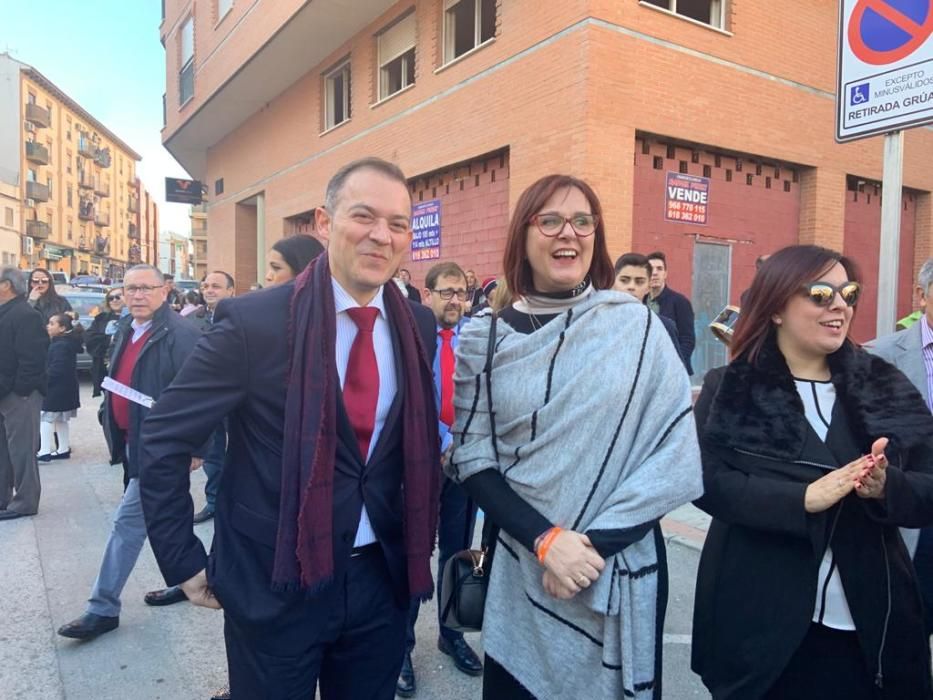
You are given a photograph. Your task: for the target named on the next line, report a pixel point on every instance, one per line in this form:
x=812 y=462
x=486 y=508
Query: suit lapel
x=910 y=359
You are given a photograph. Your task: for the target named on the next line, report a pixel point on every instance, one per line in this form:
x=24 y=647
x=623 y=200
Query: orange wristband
x=546 y=541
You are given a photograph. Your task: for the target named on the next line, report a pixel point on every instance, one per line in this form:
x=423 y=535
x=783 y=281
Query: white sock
x=64 y=441
x=46 y=438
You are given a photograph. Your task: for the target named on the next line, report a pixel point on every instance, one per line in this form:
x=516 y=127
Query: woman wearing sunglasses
x=814 y=452
x=575 y=443
x=101 y=332
x=43 y=296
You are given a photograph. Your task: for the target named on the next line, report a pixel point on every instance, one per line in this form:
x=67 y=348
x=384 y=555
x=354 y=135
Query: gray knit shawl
x=595 y=430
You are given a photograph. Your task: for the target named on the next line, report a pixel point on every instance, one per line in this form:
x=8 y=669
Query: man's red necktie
x=361 y=382
x=447 y=376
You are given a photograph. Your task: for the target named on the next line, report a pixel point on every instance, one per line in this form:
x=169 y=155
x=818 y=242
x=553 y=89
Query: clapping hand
x=871 y=480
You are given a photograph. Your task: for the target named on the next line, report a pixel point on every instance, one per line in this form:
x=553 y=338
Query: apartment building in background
x=199 y=239
x=10 y=240
x=175 y=255
x=75 y=178
x=476 y=99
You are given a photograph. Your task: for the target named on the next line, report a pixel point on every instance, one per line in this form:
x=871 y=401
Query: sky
x=106 y=56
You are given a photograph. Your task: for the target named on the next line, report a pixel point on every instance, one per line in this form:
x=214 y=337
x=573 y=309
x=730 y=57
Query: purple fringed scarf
x=304 y=554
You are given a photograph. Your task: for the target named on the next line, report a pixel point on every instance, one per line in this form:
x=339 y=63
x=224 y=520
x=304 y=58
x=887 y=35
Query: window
x=68 y=196
x=48 y=181
x=467 y=24
x=68 y=162
x=223 y=7
x=8 y=216
x=396 y=47
x=32 y=176
x=186 y=74
x=337 y=96
x=711 y=12
x=48 y=144
x=31 y=98
x=70 y=234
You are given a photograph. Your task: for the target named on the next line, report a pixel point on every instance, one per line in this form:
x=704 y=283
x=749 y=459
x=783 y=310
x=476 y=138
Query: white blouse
x=831 y=608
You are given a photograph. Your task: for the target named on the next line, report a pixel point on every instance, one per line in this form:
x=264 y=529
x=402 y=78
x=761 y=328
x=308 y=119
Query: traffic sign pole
x=890 y=231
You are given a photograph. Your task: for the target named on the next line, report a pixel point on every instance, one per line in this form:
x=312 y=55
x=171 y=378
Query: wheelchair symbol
x=859 y=94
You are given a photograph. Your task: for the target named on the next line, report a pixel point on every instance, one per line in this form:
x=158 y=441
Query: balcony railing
x=103 y=157
x=102 y=218
x=132 y=204
x=102 y=187
x=38 y=229
x=133 y=232
x=86 y=210
x=102 y=246
x=39 y=116
x=86 y=181
x=37 y=191
x=37 y=153
x=86 y=147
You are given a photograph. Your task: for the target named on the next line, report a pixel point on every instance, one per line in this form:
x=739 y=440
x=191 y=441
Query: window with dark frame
x=711 y=12
x=467 y=24
x=337 y=96
x=396 y=52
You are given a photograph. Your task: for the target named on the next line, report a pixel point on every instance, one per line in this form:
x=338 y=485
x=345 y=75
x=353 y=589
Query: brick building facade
x=475 y=99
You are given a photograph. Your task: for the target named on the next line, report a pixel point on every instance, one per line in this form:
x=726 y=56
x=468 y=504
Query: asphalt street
x=48 y=564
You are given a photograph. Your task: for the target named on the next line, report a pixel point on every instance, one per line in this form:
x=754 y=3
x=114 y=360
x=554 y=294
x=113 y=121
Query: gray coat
x=904 y=350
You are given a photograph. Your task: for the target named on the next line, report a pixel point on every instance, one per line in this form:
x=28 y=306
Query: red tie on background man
x=447 y=376
x=361 y=381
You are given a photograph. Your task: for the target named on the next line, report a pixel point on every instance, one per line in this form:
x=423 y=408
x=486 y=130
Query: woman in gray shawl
x=594 y=442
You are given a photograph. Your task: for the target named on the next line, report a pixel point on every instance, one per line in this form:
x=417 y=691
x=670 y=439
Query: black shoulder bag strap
x=490 y=531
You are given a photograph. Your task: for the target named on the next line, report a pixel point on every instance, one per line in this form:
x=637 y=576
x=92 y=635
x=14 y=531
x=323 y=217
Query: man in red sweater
x=150 y=346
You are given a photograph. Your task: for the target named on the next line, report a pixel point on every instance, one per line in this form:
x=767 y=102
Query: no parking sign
x=885 y=77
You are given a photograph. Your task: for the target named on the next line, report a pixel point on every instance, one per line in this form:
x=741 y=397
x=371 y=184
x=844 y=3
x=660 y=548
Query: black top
x=24 y=343
x=513 y=513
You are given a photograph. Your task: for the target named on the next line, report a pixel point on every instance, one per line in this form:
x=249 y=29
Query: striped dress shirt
x=926 y=336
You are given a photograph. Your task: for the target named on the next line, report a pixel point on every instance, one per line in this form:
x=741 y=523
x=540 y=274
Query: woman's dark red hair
x=781 y=276
x=516 y=267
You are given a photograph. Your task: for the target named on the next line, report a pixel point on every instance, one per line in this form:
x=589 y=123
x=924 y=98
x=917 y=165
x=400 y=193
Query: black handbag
x=466 y=573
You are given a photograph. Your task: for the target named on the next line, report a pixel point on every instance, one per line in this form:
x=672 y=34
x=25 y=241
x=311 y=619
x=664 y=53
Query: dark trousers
x=828 y=665
x=352 y=649
x=923 y=565
x=454 y=532
x=214 y=464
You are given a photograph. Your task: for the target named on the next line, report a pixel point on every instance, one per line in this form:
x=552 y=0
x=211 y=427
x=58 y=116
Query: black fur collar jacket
x=758 y=578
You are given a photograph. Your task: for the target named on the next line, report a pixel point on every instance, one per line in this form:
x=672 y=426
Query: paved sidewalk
x=48 y=564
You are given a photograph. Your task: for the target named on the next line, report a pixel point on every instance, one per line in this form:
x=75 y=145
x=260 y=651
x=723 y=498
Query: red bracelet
x=547 y=539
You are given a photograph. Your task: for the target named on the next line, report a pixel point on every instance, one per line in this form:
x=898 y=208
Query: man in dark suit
x=665 y=302
x=325 y=523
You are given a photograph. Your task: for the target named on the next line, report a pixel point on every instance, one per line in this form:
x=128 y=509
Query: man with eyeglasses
x=149 y=348
x=24 y=344
x=446 y=293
